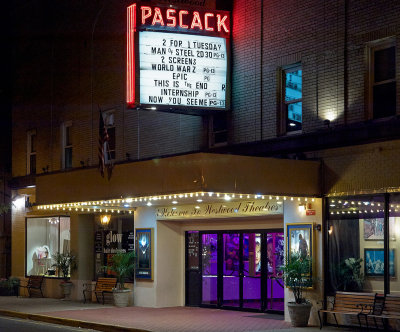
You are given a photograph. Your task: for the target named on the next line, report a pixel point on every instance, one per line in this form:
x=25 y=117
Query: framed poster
x=299 y=240
x=144 y=253
x=373 y=229
x=374 y=262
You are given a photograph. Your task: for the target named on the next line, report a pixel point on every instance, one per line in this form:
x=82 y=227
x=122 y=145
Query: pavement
x=140 y=319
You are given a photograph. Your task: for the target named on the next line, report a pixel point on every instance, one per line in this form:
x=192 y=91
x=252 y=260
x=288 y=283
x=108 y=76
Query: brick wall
x=313 y=33
x=361 y=168
x=65 y=49
x=54 y=85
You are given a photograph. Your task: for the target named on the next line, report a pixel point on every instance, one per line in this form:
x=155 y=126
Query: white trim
x=64 y=126
x=29 y=152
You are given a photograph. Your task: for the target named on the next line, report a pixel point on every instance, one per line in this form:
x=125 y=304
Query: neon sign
x=177 y=59
x=170 y=17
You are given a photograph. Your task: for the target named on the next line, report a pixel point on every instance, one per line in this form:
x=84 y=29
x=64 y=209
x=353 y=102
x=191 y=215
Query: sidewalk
x=140 y=319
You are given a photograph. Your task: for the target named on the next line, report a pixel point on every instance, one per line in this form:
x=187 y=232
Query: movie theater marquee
x=177 y=59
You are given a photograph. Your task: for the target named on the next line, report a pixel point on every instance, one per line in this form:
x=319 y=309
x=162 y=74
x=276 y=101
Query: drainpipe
x=345 y=61
x=92 y=67
x=261 y=69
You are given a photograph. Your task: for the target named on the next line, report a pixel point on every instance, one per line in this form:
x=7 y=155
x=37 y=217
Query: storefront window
x=356 y=244
x=116 y=236
x=394 y=243
x=45 y=237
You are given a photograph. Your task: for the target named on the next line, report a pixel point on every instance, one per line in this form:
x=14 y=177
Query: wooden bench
x=384 y=310
x=103 y=285
x=34 y=283
x=346 y=303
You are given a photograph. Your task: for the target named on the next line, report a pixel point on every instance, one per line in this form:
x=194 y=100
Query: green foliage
x=350 y=276
x=296 y=275
x=66 y=263
x=9 y=287
x=123 y=264
x=4 y=208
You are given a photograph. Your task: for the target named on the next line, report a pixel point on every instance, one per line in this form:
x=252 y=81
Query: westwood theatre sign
x=220 y=210
x=177 y=59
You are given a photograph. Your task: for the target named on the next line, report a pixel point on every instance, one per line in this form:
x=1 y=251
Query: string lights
x=366 y=208
x=129 y=204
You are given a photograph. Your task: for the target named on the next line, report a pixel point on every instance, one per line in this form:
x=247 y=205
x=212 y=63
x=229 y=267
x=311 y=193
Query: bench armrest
x=88 y=287
x=365 y=308
x=328 y=302
x=24 y=283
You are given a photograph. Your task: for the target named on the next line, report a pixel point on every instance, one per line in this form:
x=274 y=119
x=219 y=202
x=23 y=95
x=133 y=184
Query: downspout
x=92 y=68
x=345 y=61
x=261 y=68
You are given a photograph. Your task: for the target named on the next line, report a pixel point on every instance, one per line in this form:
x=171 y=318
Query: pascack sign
x=177 y=59
x=220 y=210
x=210 y=4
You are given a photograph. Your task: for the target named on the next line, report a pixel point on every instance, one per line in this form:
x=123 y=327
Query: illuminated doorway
x=235 y=269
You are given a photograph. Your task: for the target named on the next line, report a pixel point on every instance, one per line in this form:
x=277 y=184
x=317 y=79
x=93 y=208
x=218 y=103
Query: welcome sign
x=220 y=210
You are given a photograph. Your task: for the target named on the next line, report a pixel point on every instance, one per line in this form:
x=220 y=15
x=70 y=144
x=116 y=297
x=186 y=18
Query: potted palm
x=123 y=265
x=65 y=263
x=351 y=278
x=297 y=276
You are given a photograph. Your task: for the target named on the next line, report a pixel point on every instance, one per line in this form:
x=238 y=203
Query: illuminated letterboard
x=177 y=59
x=182 y=70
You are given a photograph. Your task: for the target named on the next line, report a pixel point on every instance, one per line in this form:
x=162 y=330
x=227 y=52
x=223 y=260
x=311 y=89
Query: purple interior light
x=251 y=256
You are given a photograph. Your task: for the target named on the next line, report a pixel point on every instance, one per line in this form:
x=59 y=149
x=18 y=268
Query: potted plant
x=296 y=275
x=65 y=263
x=9 y=287
x=123 y=265
x=351 y=278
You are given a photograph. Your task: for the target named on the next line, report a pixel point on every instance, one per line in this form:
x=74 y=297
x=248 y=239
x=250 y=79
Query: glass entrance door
x=209 y=271
x=252 y=270
x=275 y=259
x=231 y=270
x=241 y=269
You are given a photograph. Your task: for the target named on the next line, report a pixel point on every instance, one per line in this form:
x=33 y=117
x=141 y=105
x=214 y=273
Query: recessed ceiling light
x=149 y=204
x=199 y=200
x=174 y=202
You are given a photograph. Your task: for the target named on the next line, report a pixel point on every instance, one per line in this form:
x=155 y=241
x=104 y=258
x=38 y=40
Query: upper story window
x=218 y=129
x=292 y=98
x=291 y=94
x=66 y=141
x=31 y=152
x=382 y=80
x=109 y=146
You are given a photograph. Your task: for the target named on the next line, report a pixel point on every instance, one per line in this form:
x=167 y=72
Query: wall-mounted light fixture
x=302 y=207
x=318 y=227
x=19 y=201
x=105 y=219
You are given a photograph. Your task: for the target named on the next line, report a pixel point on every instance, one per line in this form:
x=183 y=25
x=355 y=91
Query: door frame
x=264 y=269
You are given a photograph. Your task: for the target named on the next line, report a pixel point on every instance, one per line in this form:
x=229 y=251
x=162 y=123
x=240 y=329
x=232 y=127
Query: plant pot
x=299 y=313
x=121 y=297
x=66 y=287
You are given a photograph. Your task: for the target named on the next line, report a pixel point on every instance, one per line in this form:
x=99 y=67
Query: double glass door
x=241 y=269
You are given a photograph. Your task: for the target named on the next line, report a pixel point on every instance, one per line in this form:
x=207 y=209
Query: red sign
x=182 y=20
x=310 y=212
x=146 y=17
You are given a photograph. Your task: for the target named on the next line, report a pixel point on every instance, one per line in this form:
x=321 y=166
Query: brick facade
x=77 y=64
